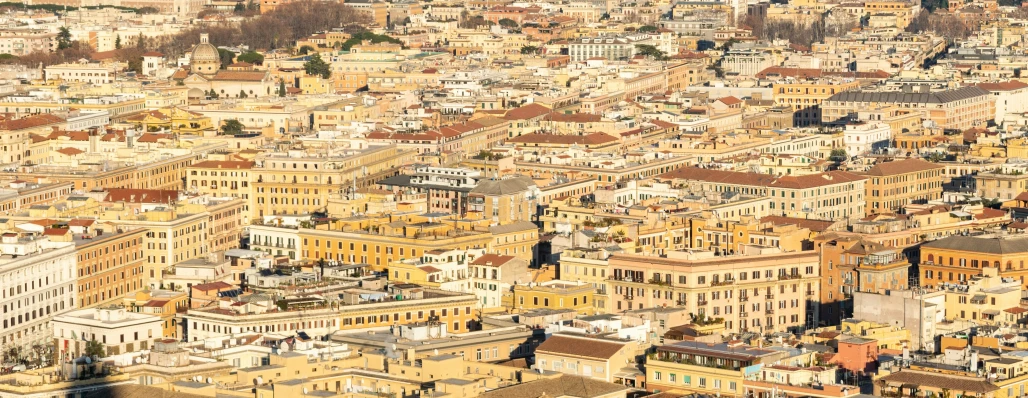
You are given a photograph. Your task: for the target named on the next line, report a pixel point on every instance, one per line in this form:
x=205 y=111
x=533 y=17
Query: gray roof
x=938 y=97
x=503 y=187
x=978 y=244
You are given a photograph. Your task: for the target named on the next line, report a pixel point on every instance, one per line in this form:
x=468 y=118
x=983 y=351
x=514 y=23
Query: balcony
x=722 y=283
x=769 y=296
x=810 y=293
x=784 y=277
x=681 y=302
x=744 y=314
x=701 y=302
x=744 y=297
x=769 y=311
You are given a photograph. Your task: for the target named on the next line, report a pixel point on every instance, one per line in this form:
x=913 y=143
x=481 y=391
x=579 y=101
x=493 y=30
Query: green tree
x=317 y=67
x=6 y=58
x=148 y=10
x=212 y=94
x=529 y=50
x=508 y=23
x=63 y=38
x=226 y=57
x=136 y=64
x=232 y=127
x=242 y=94
x=305 y=50
x=95 y=349
x=648 y=50
x=117 y=42
x=647 y=29
x=281 y=88
x=838 y=154
x=239 y=8
x=252 y=57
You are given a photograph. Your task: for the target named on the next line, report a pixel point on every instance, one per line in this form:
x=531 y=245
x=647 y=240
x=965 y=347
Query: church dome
x=205 y=58
x=205 y=51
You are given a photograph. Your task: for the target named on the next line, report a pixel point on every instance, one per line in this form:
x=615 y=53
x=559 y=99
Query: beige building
x=893 y=185
x=589 y=356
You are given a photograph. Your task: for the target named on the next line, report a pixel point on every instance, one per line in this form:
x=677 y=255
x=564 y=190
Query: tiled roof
x=537 y=138
x=224 y=164
x=579 y=347
x=902 y=167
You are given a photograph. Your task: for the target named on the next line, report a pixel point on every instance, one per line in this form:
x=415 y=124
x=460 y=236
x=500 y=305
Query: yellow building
x=554 y=295
x=162 y=303
x=804 y=97
x=173 y=119
x=893 y=185
x=706 y=369
x=983 y=299
x=887 y=336
x=956 y=259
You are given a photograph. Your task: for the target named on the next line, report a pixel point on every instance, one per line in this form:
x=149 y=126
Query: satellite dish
x=89 y=360
x=260 y=380
x=305 y=391
x=210 y=380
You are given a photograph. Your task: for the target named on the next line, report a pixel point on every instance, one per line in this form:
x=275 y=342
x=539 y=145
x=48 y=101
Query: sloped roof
x=580 y=347
x=902 y=167
x=979 y=244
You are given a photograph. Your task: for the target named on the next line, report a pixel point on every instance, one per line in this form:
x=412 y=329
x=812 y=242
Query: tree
x=252 y=57
x=232 y=127
x=212 y=94
x=136 y=64
x=148 y=10
x=95 y=349
x=648 y=50
x=117 y=42
x=316 y=66
x=239 y=8
x=63 y=38
x=242 y=94
x=226 y=57
x=838 y=154
x=647 y=29
x=529 y=50
x=281 y=88
x=304 y=50
x=508 y=23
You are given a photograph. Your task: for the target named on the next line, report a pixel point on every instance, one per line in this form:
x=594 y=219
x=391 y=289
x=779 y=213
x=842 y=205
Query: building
x=1003 y=184
x=825 y=196
x=866 y=138
x=804 y=97
x=117 y=330
x=757 y=293
x=588 y=356
x=956 y=109
x=958 y=258
x=705 y=368
x=892 y=185
x=608 y=48
x=109 y=267
x=38 y=278
x=81 y=72
x=853 y=264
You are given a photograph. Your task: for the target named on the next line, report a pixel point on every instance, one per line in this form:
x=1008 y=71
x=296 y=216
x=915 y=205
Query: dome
x=205 y=51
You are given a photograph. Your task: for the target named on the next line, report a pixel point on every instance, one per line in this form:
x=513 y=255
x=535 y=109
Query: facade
x=955 y=259
x=866 y=138
x=118 y=330
x=608 y=48
x=893 y=185
x=956 y=109
x=765 y=293
x=38 y=277
x=109 y=267
x=586 y=356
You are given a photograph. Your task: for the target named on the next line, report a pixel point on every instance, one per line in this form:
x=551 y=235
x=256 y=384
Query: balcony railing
x=701 y=302
x=789 y=276
x=722 y=283
x=769 y=296
x=769 y=311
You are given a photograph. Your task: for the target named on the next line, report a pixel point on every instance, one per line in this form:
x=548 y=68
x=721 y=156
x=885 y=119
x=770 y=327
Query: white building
x=37 y=280
x=275 y=240
x=863 y=138
x=80 y=72
x=118 y=330
x=1011 y=97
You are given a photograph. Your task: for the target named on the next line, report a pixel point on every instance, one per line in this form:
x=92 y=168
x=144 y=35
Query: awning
x=991 y=312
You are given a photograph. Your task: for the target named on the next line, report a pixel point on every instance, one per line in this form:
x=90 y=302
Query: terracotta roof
x=579 y=347
x=1002 y=86
x=80 y=222
x=42 y=119
x=152 y=54
x=140 y=195
x=206 y=287
x=813 y=225
x=729 y=100
x=237 y=75
x=564 y=386
x=55 y=231
x=152 y=137
x=492 y=260
x=538 y=138
x=902 y=167
x=527 y=112
x=938 y=381
x=70 y=151
x=789 y=72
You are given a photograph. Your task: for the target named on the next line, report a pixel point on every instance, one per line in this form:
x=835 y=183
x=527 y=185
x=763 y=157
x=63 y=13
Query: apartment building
x=116 y=329
x=87 y=73
x=957 y=258
x=552 y=295
x=609 y=48
x=892 y=185
x=38 y=279
x=426 y=340
x=588 y=356
x=705 y=368
x=281 y=184
x=956 y=109
x=1002 y=184
x=804 y=97
x=360 y=309
x=850 y=264
x=986 y=299
x=826 y=196
x=760 y=293
x=110 y=265
x=222 y=178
